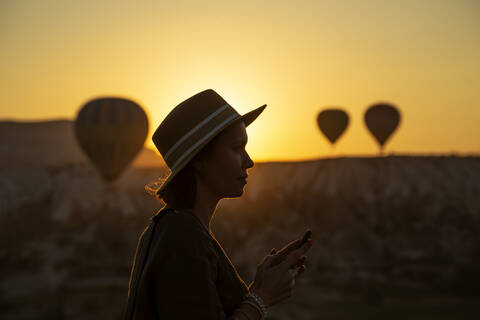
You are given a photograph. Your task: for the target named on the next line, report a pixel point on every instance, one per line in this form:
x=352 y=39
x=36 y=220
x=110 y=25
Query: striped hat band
x=199 y=134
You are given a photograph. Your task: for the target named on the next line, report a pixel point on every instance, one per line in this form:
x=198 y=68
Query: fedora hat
x=191 y=125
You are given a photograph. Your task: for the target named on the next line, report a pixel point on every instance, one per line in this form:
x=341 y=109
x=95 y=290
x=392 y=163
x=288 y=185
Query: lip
x=243 y=177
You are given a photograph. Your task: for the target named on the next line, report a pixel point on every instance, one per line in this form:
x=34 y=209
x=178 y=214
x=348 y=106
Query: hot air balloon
x=332 y=122
x=382 y=120
x=111 y=131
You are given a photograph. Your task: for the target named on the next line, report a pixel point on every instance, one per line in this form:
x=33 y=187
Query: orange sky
x=296 y=56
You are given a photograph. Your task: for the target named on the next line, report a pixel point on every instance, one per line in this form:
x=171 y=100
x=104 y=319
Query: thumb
x=264 y=262
x=270 y=260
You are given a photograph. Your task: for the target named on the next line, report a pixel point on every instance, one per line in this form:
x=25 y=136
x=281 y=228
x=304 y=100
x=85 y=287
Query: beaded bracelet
x=259 y=302
x=255 y=306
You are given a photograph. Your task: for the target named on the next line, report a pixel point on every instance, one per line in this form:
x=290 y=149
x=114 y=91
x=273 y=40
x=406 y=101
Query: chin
x=235 y=194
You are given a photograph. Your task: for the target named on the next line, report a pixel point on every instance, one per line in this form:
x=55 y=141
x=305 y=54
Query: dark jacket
x=187 y=274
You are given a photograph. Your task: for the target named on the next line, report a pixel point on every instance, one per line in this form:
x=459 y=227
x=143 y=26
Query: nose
x=247 y=161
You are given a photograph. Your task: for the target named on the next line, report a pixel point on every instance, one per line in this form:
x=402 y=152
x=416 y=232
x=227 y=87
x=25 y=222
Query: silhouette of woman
x=180 y=270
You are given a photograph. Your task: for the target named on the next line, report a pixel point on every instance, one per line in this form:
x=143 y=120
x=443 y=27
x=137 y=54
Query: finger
x=300 y=261
x=292 y=259
x=283 y=253
x=269 y=260
x=273 y=252
x=301 y=270
x=288 y=248
x=262 y=261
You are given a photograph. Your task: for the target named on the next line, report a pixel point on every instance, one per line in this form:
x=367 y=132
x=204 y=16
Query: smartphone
x=306 y=236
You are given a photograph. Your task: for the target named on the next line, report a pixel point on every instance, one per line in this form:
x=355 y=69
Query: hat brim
x=247 y=118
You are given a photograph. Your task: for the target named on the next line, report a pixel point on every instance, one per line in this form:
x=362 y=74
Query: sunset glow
x=298 y=58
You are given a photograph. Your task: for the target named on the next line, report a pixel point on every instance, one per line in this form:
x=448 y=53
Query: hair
x=182 y=190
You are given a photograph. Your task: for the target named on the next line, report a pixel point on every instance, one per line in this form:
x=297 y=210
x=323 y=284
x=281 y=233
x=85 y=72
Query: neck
x=205 y=205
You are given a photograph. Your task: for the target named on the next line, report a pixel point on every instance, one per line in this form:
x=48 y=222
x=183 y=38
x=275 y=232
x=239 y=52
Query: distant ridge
x=50 y=144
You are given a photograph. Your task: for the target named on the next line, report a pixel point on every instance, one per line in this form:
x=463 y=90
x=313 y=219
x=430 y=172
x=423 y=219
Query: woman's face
x=223 y=166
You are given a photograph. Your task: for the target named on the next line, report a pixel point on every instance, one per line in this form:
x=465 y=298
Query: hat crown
x=190 y=121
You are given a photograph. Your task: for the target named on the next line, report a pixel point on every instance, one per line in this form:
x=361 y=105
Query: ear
x=198 y=167
x=198 y=164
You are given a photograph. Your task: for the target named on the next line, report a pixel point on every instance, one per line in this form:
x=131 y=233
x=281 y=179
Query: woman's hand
x=276 y=273
x=286 y=250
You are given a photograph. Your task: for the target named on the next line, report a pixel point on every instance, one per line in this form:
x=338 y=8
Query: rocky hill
x=393 y=234
x=382 y=225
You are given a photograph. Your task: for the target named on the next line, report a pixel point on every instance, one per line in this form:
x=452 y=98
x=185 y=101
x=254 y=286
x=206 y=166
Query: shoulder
x=181 y=231
x=174 y=221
